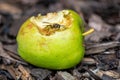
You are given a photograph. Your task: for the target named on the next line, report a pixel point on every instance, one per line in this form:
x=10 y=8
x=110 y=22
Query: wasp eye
x=56 y=26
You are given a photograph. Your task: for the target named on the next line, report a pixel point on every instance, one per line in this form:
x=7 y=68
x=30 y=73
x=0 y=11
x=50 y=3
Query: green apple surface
x=52 y=41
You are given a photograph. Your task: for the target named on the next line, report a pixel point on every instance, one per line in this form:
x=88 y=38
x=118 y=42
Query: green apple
x=52 y=41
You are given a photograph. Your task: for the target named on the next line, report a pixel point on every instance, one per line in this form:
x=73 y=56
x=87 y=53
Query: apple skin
x=61 y=50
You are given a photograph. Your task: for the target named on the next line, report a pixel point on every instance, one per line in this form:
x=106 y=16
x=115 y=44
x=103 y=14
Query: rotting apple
x=52 y=41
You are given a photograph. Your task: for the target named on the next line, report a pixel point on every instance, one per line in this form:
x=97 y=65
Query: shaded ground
x=102 y=57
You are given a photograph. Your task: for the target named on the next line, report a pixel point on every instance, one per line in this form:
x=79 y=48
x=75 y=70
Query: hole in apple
x=52 y=22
